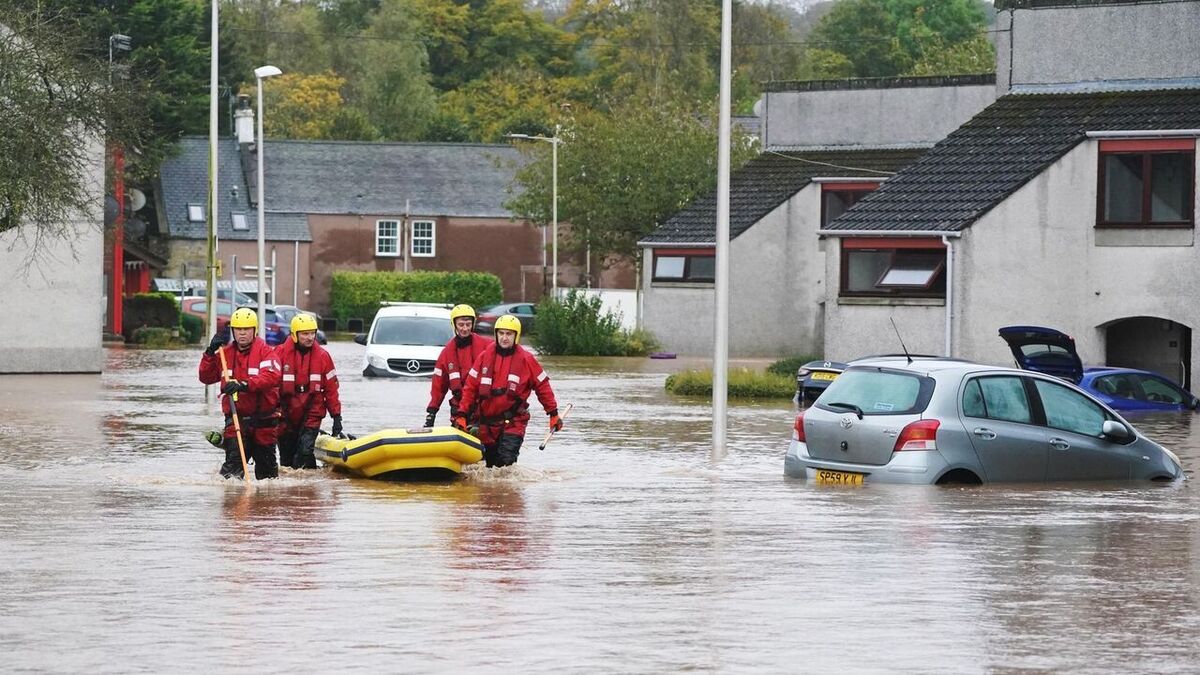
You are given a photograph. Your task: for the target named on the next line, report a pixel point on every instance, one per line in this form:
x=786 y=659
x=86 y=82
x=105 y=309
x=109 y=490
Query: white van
x=405 y=339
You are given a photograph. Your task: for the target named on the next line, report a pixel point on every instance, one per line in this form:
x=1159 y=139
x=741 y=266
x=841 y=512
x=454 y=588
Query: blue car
x=1049 y=351
x=814 y=377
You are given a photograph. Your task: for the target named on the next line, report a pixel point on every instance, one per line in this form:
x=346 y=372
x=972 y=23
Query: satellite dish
x=137 y=199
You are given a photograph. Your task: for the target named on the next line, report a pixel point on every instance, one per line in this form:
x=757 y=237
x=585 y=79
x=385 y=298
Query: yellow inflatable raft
x=402 y=454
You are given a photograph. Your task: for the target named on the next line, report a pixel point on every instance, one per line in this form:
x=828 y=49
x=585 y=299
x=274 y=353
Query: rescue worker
x=495 y=395
x=254 y=376
x=456 y=358
x=308 y=390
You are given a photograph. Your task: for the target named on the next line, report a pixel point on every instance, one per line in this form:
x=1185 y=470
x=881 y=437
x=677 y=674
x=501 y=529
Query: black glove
x=217 y=342
x=430 y=415
x=233 y=386
x=337 y=425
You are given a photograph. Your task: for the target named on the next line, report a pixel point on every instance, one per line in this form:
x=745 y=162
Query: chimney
x=244 y=120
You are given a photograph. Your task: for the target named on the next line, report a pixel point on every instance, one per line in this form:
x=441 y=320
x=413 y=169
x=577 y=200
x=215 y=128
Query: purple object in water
x=663 y=355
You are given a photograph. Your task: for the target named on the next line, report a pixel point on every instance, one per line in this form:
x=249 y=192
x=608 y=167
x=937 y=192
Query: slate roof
x=438 y=179
x=1038 y=4
x=1004 y=147
x=184 y=180
x=767 y=181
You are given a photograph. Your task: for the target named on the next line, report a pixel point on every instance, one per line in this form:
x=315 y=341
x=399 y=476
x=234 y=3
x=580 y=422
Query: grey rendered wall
x=52 y=300
x=775 y=288
x=871 y=117
x=1037 y=259
x=1106 y=42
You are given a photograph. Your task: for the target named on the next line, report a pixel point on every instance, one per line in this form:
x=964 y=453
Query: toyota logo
x=847 y=421
x=413 y=365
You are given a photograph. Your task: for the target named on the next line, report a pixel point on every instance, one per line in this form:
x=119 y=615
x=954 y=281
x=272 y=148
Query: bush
x=743 y=383
x=356 y=295
x=191 y=327
x=637 y=342
x=153 y=310
x=576 y=327
x=152 y=336
x=790 y=365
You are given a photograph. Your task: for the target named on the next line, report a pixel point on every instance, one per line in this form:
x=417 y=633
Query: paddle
x=562 y=416
x=237 y=423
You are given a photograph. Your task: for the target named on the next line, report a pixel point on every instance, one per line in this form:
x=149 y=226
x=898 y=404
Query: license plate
x=824 y=376
x=827 y=477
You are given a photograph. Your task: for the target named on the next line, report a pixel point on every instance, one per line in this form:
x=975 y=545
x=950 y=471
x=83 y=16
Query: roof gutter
x=1146 y=133
x=676 y=244
x=889 y=233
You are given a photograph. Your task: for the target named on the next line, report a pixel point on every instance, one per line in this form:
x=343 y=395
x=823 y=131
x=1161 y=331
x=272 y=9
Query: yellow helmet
x=243 y=317
x=302 y=322
x=509 y=322
x=459 y=311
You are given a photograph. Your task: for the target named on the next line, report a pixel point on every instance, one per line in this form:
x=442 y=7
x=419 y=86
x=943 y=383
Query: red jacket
x=498 y=388
x=258 y=407
x=308 y=387
x=450 y=371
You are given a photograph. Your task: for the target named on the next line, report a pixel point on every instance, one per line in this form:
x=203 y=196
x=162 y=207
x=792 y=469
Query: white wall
x=620 y=302
x=52 y=298
x=776 y=284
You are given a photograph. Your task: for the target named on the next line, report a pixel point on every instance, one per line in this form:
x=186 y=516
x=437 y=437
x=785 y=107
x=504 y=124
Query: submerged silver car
x=933 y=420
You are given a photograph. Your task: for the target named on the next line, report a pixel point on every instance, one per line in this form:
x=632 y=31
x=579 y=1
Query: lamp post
x=122 y=43
x=553 y=141
x=261 y=73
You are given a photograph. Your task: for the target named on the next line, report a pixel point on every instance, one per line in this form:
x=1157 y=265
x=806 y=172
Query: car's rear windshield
x=411 y=330
x=876 y=391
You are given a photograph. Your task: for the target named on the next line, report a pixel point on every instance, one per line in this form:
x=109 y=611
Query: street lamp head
x=263 y=72
x=120 y=42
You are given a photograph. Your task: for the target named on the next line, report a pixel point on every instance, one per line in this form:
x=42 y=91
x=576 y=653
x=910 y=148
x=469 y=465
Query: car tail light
x=798 y=429
x=919 y=435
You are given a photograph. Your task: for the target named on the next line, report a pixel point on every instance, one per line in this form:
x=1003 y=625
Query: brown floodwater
x=620 y=548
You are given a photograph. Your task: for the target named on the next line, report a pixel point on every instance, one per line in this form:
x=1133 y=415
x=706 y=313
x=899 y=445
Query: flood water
x=620 y=548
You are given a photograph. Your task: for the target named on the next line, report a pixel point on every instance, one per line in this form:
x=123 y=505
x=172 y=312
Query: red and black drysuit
x=257 y=406
x=495 y=397
x=308 y=389
x=450 y=372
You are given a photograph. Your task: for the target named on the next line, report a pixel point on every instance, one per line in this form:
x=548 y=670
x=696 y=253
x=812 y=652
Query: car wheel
x=959 y=477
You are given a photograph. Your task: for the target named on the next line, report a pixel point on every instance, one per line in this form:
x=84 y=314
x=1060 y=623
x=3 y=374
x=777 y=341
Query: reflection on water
x=619 y=548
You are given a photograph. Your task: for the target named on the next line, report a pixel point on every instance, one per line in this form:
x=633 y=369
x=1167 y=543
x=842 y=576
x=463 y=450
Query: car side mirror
x=1116 y=431
x=361 y=338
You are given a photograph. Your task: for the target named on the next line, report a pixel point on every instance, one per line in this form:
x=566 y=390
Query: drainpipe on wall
x=949 y=293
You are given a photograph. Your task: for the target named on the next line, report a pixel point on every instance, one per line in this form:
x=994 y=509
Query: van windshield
x=411 y=330
x=877 y=392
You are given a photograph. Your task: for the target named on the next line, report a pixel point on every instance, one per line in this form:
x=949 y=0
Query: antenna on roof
x=906 y=355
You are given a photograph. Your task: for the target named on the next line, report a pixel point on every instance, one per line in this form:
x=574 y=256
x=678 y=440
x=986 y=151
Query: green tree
x=306 y=106
x=621 y=175
x=390 y=82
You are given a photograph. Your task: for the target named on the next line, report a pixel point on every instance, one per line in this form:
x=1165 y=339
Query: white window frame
x=414 y=238
x=195 y=213
x=394 y=238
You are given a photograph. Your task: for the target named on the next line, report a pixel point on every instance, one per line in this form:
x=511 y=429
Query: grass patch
x=743 y=383
x=791 y=364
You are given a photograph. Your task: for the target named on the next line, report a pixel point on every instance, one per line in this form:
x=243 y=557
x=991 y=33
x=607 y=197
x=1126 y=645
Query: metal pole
x=721 y=315
x=274 y=276
x=554 y=204
x=262 y=272
x=214 y=51
x=296 y=275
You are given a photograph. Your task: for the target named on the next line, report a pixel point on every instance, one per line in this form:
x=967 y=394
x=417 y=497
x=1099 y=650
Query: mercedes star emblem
x=413 y=365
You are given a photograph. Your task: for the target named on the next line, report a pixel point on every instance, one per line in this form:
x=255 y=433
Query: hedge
x=356 y=295
x=150 y=310
x=743 y=383
x=791 y=364
x=576 y=327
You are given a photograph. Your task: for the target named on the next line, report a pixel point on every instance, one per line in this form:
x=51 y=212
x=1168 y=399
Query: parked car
x=813 y=377
x=274 y=332
x=526 y=313
x=405 y=339
x=938 y=421
x=288 y=312
x=1046 y=350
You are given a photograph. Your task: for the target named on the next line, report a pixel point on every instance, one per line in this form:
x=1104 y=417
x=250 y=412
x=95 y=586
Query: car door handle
x=984 y=433
x=1059 y=444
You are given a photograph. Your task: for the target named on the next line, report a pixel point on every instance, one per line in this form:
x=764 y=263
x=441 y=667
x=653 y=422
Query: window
x=879 y=266
x=878 y=392
x=1123 y=385
x=239 y=221
x=387 y=237
x=1146 y=183
x=699 y=265
x=423 y=238
x=1161 y=391
x=1069 y=410
x=837 y=198
x=196 y=213
x=997 y=398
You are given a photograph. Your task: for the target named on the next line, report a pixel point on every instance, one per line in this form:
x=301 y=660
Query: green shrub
x=575 y=326
x=637 y=342
x=191 y=327
x=150 y=310
x=356 y=295
x=743 y=383
x=791 y=364
x=152 y=336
